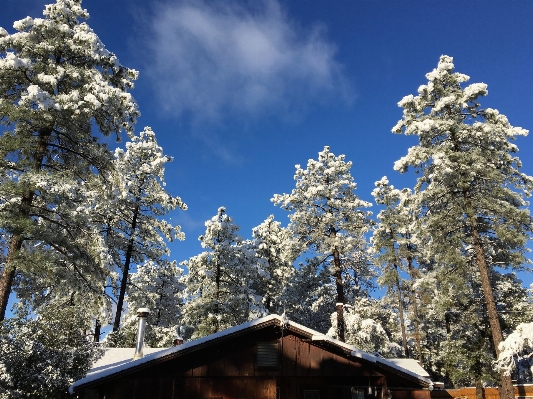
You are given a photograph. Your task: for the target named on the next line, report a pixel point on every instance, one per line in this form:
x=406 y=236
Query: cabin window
x=357 y=393
x=267 y=354
x=311 y=394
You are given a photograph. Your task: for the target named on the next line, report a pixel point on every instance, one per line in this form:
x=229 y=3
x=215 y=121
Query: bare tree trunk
x=8 y=274
x=97 y=330
x=6 y=280
x=479 y=389
x=125 y=271
x=415 y=308
x=217 y=295
x=400 y=309
x=339 y=306
x=506 y=386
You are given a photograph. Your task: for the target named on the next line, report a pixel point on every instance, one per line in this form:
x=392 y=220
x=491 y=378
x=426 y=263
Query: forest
x=85 y=230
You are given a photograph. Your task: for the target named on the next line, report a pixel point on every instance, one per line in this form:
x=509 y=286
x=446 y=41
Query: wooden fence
x=520 y=391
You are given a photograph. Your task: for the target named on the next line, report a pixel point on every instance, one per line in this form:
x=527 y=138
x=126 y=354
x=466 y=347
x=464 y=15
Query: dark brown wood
x=8 y=274
x=229 y=370
x=126 y=268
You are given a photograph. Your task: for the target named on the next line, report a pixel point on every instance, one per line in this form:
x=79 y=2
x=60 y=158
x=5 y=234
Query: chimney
x=142 y=313
x=179 y=339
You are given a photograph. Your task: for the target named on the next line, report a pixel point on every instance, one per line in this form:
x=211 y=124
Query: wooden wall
x=229 y=371
x=520 y=391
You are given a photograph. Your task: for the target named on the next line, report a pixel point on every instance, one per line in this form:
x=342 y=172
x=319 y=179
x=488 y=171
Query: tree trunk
x=125 y=271
x=479 y=389
x=506 y=386
x=415 y=309
x=8 y=274
x=97 y=330
x=6 y=280
x=217 y=295
x=339 y=306
x=400 y=309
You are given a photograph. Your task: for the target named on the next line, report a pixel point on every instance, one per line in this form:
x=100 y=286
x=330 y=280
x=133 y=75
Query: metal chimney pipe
x=178 y=340
x=142 y=313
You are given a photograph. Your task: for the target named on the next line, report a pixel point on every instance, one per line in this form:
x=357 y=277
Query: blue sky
x=239 y=92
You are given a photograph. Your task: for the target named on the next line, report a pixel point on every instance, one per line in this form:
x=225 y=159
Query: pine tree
x=159 y=287
x=310 y=295
x=274 y=244
x=41 y=357
x=516 y=354
x=327 y=217
x=136 y=232
x=395 y=252
x=221 y=280
x=471 y=192
x=57 y=84
x=369 y=326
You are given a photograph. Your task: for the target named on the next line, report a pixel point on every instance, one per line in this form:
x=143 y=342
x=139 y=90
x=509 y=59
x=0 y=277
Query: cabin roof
x=120 y=360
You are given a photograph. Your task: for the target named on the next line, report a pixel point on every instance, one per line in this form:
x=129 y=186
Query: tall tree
x=370 y=325
x=136 y=231
x=41 y=357
x=58 y=85
x=327 y=216
x=275 y=245
x=471 y=192
x=159 y=287
x=395 y=252
x=516 y=353
x=221 y=280
x=310 y=295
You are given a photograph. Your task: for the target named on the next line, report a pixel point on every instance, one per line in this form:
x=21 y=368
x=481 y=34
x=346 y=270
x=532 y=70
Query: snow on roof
x=411 y=365
x=114 y=357
x=119 y=359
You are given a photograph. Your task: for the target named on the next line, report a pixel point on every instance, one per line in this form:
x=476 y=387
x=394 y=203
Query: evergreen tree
x=327 y=217
x=369 y=326
x=160 y=288
x=310 y=295
x=516 y=354
x=395 y=252
x=41 y=357
x=386 y=244
x=221 y=280
x=58 y=84
x=275 y=245
x=457 y=344
x=471 y=192
x=135 y=230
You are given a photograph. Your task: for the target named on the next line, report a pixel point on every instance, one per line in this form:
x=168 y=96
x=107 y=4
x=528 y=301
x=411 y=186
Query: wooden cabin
x=268 y=358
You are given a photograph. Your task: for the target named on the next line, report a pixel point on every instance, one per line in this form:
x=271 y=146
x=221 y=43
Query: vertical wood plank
x=315 y=360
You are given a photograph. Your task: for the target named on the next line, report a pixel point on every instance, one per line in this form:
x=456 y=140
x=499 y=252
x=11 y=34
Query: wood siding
x=520 y=391
x=229 y=371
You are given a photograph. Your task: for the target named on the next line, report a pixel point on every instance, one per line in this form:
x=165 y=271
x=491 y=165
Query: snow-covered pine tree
x=40 y=357
x=275 y=245
x=58 y=84
x=136 y=231
x=395 y=252
x=471 y=192
x=457 y=342
x=328 y=217
x=387 y=249
x=310 y=295
x=369 y=326
x=516 y=354
x=221 y=280
x=160 y=288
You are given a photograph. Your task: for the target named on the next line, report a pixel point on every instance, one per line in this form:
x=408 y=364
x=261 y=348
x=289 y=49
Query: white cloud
x=210 y=59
